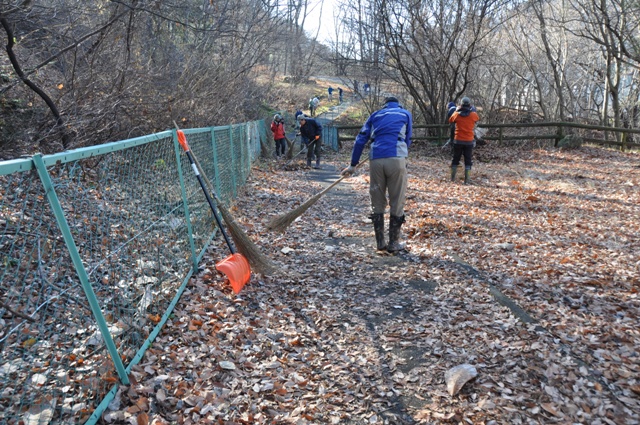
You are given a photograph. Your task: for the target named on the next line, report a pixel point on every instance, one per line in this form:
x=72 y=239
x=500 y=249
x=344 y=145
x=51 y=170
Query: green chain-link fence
x=96 y=247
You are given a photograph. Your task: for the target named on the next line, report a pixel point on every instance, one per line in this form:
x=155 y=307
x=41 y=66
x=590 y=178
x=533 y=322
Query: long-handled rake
x=245 y=245
x=280 y=223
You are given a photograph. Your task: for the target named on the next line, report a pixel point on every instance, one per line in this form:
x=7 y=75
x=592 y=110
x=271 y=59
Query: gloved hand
x=349 y=171
x=318 y=137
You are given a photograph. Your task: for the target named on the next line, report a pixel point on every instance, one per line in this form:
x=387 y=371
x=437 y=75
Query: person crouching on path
x=465 y=119
x=277 y=127
x=389 y=130
x=312 y=130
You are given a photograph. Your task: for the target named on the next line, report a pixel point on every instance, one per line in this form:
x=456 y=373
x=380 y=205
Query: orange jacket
x=278 y=130
x=464 y=125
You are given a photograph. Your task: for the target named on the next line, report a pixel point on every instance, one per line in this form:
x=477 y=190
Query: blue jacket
x=451 y=108
x=390 y=132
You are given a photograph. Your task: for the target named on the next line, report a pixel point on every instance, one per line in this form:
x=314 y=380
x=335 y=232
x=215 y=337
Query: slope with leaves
x=346 y=335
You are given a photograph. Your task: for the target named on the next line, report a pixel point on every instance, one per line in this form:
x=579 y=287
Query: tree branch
x=66 y=139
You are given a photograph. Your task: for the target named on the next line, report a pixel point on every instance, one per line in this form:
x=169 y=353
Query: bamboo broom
x=280 y=223
x=244 y=244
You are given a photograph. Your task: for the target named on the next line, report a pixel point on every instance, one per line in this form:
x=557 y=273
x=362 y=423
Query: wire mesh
x=43 y=375
x=126 y=209
x=224 y=162
x=238 y=136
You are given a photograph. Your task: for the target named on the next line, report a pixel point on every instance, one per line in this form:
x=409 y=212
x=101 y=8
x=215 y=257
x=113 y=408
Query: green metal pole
x=216 y=170
x=77 y=262
x=233 y=162
x=187 y=214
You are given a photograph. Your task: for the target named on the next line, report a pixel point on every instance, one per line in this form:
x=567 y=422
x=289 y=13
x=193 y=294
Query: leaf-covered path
x=348 y=336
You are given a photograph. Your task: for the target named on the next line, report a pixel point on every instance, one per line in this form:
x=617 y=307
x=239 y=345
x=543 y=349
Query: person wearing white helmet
x=279 y=137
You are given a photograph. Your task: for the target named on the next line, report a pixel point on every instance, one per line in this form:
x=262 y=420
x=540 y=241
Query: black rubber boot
x=395 y=223
x=453 y=173
x=378 y=227
x=317 y=163
x=308 y=162
x=467 y=176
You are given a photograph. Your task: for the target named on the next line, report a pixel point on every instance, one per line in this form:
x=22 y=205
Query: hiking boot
x=395 y=223
x=378 y=227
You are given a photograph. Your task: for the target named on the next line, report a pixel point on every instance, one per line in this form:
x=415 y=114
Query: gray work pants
x=388 y=175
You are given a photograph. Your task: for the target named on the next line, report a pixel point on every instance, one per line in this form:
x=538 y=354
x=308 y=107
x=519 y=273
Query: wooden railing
x=500 y=133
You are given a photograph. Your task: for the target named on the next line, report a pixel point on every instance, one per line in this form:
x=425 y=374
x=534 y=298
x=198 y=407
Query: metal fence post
x=183 y=189
x=216 y=171
x=233 y=162
x=79 y=267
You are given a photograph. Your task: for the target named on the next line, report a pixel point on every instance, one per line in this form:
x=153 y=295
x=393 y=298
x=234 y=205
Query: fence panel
x=122 y=208
x=44 y=315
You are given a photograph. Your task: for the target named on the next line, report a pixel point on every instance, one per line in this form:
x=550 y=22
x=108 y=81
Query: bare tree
x=115 y=69
x=434 y=45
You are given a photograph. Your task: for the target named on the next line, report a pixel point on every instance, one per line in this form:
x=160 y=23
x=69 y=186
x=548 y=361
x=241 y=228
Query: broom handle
x=195 y=166
x=210 y=201
x=328 y=188
x=202 y=173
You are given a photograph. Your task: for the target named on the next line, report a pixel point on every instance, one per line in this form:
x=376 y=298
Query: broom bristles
x=280 y=223
x=245 y=245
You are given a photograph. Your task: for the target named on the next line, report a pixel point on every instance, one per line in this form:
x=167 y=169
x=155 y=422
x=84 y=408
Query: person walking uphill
x=389 y=130
x=312 y=130
x=277 y=127
x=465 y=119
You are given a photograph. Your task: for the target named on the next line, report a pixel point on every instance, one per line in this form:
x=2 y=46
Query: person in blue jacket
x=312 y=130
x=389 y=130
x=451 y=108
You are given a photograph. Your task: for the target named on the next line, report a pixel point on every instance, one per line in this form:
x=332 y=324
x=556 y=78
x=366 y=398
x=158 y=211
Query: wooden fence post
x=559 y=136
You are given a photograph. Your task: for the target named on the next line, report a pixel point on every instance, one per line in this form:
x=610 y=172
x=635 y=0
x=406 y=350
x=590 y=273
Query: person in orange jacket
x=465 y=119
x=277 y=127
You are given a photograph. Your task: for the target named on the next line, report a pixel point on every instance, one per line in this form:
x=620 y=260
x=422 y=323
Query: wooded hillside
x=76 y=73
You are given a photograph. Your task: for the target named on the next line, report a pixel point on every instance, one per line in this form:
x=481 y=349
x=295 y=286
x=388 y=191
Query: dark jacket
x=311 y=129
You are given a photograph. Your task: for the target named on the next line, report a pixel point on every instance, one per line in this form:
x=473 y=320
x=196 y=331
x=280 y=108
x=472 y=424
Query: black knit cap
x=390 y=99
